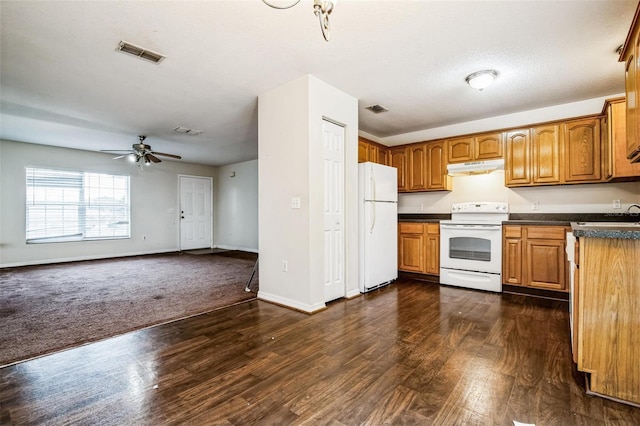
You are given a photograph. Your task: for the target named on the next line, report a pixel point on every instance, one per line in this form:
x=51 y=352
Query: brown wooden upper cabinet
x=582 y=148
x=629 y=56
x=518 y=162
x=617 y=166
x=372 y=151
x=421 y=166
x=555 y=153
x=472 y=148
x=398 y=159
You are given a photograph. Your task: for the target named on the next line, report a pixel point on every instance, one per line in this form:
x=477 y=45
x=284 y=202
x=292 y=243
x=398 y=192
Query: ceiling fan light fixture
x=281 y=4
x=321 y=8
x=481 y=79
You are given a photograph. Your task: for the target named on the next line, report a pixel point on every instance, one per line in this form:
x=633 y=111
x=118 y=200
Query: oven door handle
x=471 y=227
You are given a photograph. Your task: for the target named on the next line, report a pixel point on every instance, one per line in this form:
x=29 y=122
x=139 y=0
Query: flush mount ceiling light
x=481 y=79
x=321 y=8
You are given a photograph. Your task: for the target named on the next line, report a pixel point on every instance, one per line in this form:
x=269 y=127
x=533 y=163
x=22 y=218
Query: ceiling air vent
x=377 y=109
x=187 y=130
x=140 y=52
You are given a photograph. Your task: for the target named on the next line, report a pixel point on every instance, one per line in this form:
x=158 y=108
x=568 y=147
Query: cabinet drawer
x=546 y=232
x=513 y=231
x=433 y=228
x=411 y=228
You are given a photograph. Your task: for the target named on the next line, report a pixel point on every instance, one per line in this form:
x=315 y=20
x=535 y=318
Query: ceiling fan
x=141 y=151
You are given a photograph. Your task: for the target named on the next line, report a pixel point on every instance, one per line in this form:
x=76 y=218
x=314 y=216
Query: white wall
x=582 y=198
x=154 y=204
x=236 y=201
x=290 y=165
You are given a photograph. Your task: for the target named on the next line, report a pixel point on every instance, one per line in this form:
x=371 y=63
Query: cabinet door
x=545 y=149
x=633 y=141
x=433 y=255
x=545 y=264
x=619 y=166
x=363 y=151
x=582 y=150
x=437 y=178
x=460 y=150
x=517 y=163
x=372 y=153
x=432 y=265
x=383 y=156
x=630 y=91
x=417 y=178
x=512 y=255
x=399 y=161
x=411 y=246
x=489 y=146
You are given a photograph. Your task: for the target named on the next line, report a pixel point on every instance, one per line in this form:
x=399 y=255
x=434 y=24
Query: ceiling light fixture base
x=481 y=79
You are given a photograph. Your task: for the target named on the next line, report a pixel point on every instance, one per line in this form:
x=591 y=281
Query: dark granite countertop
x=606 y=230
x=549 y=219
x=423 y=217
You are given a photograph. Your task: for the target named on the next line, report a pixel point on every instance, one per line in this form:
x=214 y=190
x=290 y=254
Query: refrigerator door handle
x=373 y=217
x=373 y=186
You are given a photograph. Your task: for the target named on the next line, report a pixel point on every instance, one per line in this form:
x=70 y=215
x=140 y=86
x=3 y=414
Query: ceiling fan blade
x=153 y=158
x=120 y=156
x=130 y=151
x=166 y=155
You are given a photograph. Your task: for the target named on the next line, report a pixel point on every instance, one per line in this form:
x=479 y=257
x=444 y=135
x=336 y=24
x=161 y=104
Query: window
x=64 y=205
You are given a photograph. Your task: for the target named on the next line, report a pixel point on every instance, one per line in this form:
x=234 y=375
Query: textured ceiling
x=63 y=82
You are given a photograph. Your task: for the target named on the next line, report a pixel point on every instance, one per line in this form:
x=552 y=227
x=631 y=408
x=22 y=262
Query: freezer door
x=378 y=182
x=379 y=248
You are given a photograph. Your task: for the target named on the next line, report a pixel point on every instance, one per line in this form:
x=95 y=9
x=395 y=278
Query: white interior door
x=334 y=236
x=195 y=213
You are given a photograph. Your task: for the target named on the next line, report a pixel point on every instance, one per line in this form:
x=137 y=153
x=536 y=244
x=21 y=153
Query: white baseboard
x=252 y=250
x=81 y=258
x=353 y=293
x=290 y=303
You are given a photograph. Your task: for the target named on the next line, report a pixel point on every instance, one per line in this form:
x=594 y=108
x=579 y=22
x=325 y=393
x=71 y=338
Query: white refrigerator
x=378 y=225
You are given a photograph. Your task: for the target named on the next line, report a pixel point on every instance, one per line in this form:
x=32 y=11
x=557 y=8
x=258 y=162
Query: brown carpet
x=48 y=308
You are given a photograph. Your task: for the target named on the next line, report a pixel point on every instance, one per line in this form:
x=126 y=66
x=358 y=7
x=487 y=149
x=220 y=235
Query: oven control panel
x=480 y=207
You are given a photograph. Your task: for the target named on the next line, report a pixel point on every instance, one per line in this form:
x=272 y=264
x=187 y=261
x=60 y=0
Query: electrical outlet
x=616 y=204
x=295 y=202
x=535 y=205
x=285 y=266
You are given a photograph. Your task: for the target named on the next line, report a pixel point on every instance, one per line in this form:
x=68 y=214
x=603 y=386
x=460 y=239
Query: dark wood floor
x=410 y=353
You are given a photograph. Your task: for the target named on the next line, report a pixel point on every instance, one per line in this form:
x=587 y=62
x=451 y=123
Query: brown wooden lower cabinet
x=534 y=256
x=419 y=247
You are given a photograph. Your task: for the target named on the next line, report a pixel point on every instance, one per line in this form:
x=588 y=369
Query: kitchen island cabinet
x=608 y=306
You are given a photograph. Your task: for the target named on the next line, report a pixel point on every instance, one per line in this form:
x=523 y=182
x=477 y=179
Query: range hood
x=475 y=167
